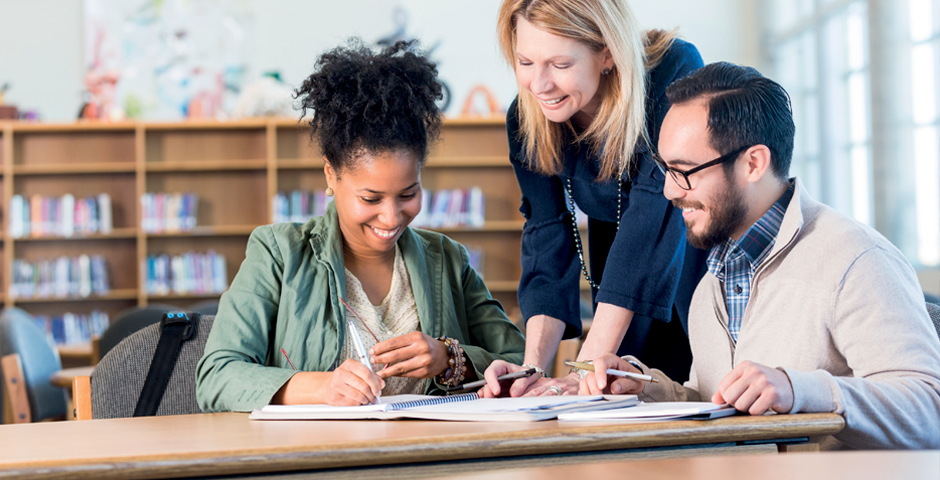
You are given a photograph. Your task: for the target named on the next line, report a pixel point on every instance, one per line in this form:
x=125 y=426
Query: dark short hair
x=744 y=109
x=367 y=101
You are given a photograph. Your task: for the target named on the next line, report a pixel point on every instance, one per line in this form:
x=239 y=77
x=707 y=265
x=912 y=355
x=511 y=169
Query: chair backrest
x=128 y=322
x=20 y=335
x=118 y=379
x=934 y=310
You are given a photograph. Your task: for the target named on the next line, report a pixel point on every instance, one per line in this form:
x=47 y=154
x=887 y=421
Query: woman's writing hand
x=353 y=384
x=411 y=355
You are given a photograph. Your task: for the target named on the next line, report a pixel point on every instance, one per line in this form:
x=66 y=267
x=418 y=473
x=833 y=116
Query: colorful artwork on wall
x=165 y=59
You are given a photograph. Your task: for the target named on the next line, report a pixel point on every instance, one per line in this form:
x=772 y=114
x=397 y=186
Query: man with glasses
x=803 y=309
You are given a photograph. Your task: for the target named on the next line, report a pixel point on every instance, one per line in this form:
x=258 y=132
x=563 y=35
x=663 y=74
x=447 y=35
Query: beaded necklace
x=577 y=232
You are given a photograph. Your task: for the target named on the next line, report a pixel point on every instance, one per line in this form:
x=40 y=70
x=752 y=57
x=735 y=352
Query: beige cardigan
x=840 y=310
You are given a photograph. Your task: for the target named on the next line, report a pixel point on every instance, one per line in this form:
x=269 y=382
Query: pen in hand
x=508 y=376
x=614 y=372
x=357 y=343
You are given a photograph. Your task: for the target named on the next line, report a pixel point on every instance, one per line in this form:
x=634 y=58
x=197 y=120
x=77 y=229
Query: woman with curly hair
x=424 y=315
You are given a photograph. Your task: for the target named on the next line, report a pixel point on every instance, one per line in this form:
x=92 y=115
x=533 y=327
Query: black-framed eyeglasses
x=682 y=176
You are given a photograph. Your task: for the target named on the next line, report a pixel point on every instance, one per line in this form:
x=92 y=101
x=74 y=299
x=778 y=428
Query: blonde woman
x=591 y=100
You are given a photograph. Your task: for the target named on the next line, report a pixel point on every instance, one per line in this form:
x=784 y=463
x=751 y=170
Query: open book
x=654 y=412
x=464 y=408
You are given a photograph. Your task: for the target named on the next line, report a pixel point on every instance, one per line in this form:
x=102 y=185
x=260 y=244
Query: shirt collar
x=757 y=242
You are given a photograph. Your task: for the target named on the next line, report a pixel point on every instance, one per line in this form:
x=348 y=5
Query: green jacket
x=286 y=295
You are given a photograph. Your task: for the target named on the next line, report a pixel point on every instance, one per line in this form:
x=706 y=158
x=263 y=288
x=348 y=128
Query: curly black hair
x=370 y=102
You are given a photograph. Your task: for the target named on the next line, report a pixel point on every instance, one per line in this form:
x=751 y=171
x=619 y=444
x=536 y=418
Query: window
x=866 y=110
x=925 y=60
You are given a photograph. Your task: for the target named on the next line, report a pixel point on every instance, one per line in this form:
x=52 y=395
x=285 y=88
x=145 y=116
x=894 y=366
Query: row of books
x=298 y=205
x=168 y=212
x=72 y=328
x=65 y=216
x=439 y=209
x=189 y=273
x=451 y=208
x=62 y=277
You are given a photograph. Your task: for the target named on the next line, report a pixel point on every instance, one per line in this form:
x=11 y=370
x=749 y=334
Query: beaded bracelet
x=456 y=365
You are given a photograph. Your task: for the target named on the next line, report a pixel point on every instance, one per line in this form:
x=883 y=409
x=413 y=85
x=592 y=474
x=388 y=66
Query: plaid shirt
x=734 y=263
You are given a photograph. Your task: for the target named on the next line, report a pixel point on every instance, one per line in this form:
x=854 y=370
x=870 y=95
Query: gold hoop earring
x=329 y=192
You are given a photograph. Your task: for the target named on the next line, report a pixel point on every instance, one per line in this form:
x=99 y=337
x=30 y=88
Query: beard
x=725 y=214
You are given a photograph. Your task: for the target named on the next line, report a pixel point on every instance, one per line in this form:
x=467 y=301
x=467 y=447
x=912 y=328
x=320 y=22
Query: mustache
x=695 y=205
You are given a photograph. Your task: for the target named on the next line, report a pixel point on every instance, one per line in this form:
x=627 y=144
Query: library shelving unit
x=236 y=168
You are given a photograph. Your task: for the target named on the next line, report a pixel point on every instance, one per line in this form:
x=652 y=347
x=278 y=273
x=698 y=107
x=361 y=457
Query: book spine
x=67 y=203
x=105 y=223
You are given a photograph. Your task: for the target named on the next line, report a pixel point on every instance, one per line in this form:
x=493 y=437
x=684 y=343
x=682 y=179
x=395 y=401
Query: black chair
x=119 y=378
x=128 y=322
x=205 y=307
x=934 y=310
x=29 y=359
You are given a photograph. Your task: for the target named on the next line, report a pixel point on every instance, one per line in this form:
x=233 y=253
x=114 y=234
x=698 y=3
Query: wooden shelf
x=183 y=296
x=498 y=120
x=115 y=294
x=236 y=167
x=433 y=162
x=211 y=124
x=501 y=286
x=75 y=168
x=507 y=286
x=207 y=166
x=117 y=233
x=216 y=231
x=77 y=126
x=299 y=163
x=489 y=226
x=75 y=351
x=468 y=162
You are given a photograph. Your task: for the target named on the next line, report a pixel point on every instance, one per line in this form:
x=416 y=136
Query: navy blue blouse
x=643 y=266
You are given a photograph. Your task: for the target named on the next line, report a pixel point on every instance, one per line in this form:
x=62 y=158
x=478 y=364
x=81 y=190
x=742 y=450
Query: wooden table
x=907 y=465
x=230 y=444
x=75 y=355
x=63 y=378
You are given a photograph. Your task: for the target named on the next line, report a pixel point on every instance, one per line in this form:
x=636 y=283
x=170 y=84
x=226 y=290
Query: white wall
x=41 y=55
x=41 y=41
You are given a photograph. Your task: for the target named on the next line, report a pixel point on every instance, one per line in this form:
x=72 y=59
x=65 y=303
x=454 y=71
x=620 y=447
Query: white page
x=379 y=407
x=483 y=405
x=520 y=404
x=648 y=410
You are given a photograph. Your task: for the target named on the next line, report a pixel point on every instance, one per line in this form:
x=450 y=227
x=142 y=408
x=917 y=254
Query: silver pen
x=360 y=348
x=357 y=342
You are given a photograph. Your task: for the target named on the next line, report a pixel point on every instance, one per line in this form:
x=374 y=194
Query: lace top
x=396 y=316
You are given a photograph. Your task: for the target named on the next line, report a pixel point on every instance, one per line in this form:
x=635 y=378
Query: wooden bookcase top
x=236 y=167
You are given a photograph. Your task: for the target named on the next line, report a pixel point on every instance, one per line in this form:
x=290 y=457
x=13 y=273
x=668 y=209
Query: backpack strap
x=175 y=329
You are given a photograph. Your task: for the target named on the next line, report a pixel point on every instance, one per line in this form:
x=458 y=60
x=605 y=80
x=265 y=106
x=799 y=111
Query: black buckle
x=180 y=318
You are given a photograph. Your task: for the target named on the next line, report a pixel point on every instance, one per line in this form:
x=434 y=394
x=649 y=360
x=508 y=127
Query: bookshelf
x=236 y=168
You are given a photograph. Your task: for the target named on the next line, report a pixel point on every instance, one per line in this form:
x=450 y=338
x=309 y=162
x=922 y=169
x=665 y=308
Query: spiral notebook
x=465 y=407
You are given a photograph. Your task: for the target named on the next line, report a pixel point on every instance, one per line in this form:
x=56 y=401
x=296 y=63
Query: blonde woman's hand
x=495 y=388
x=594 y=384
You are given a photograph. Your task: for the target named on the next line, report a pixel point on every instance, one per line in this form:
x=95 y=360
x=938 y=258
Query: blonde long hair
x=621 y=120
